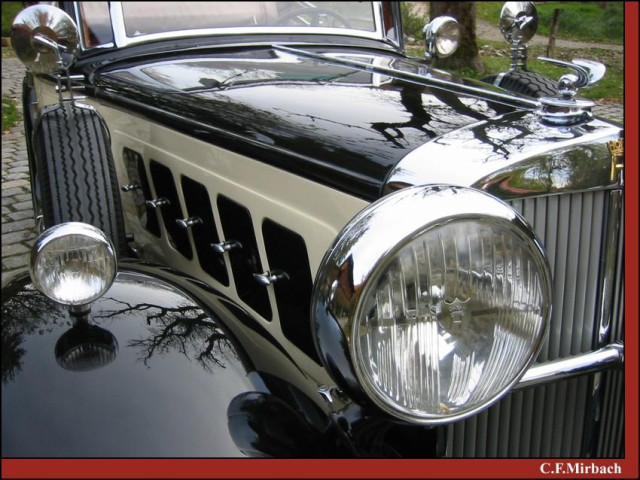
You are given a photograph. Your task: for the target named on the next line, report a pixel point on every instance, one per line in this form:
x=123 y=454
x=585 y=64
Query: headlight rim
x=324 y=295
x=66 y=229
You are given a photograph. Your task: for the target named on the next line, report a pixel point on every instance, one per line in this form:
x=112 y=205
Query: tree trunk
x=467 y=55
x=554 y=32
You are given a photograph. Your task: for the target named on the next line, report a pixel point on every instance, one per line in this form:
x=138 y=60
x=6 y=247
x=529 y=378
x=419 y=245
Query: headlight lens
x=73 y=263
x=453 y=313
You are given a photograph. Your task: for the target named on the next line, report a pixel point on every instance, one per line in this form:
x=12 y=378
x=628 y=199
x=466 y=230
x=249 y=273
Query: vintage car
x=265 y=230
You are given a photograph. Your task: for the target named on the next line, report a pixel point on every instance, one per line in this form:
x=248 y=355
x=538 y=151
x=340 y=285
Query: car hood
x=338 y=124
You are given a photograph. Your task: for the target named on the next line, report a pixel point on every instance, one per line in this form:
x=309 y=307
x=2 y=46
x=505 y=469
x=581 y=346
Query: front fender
x=150 y=373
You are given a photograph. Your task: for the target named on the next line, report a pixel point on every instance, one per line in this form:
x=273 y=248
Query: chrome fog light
x=442 y=296
x=442 y=36
x=73 y=263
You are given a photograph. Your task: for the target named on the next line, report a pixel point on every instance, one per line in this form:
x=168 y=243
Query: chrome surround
x=606 y=357
x=122 y=40
x=495 y=155
x=432 y=31
x=518 y=21
x=45 y=39
x=365 y=246
x=68 y=229
x=83 y=45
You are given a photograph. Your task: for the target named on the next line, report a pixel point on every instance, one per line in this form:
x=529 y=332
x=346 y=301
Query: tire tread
x=76 y=171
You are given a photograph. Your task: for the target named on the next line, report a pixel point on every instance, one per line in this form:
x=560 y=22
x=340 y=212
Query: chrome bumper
x=607 y=357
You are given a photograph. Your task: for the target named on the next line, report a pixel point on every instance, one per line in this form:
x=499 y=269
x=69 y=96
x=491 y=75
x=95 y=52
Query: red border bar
x=228 y=468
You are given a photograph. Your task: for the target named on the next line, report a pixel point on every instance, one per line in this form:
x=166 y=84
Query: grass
x=10 y=114
x=9 y=12
x=581 y=21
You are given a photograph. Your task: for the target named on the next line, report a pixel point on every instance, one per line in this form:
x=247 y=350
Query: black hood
x=337 y=124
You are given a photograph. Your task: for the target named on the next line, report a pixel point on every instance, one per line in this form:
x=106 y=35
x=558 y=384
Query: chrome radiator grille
x=560 y=419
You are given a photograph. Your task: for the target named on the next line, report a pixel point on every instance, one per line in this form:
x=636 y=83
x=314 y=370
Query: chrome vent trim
x=556 y=420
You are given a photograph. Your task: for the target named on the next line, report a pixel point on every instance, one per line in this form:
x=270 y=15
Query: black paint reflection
x=263 y=425
x=185 y=329
x=338 y=125
x=150 y=374
x=25 y=313
x=85 y=347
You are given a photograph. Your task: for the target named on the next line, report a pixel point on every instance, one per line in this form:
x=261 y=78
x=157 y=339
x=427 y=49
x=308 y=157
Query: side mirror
x=518 y=21
x=45 y=39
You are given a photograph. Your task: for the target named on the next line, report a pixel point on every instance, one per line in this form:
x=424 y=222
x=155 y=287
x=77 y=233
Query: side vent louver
x=204 y=233
x=139 y=188
x=287 y=251
x=168 y=204
x=237 y=226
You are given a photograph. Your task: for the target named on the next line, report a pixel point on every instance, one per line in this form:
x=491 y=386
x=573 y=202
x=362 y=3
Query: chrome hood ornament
x=566 y=109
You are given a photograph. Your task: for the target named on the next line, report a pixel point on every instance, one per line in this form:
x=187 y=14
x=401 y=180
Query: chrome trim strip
x=609 y=278
x=425 y=79
x=122 y=40
x=117 y=24
x=83 y=45
x=607 y=357
x=612 y=232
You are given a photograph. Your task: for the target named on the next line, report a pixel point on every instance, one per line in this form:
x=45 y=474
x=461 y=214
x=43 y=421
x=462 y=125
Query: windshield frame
x=120 y=38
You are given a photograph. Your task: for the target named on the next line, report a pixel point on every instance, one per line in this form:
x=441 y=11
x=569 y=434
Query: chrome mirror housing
x=45 y=39
x=518 y=24
x=518 y=21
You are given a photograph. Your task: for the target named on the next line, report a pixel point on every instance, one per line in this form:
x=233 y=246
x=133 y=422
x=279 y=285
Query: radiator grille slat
x=550 y=420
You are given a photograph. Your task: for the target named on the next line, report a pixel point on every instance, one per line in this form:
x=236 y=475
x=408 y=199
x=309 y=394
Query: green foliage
x=600 y=22
x=412 y=22
x=9 y=12
x=10 y=114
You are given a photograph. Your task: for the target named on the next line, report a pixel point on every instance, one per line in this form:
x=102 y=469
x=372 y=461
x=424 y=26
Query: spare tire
x=527 y=83
x=75 y=171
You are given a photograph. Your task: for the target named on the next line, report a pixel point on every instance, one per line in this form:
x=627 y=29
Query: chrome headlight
x=73 y=263
x=441 y=297
x=442 y=36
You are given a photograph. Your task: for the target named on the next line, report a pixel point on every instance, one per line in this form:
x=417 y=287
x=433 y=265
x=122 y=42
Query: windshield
x=144 y=18
x=135 y=22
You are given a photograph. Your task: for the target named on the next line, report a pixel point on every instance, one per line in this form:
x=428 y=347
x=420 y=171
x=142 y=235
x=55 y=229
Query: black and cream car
x=265 y=230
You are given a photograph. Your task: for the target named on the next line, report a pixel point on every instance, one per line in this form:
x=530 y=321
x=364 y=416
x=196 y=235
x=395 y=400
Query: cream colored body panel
x=315 y=211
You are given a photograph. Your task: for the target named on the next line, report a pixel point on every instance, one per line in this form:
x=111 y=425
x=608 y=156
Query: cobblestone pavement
x=18 y=227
